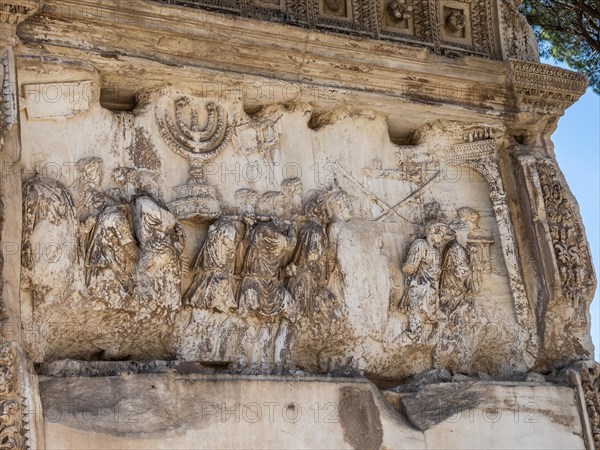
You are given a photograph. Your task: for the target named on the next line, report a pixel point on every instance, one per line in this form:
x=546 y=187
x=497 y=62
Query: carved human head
x=291 y=187
x=436 y=231
x=461 y=231
x=339 y=206
x=226 y=229
x=315 y=206
x=456 y=21
x=90 y=171
x=469 y=216
x=247 y=201
x=432 y=211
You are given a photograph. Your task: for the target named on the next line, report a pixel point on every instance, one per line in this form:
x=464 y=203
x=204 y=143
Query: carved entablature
x=451 y=27
x=545 y=88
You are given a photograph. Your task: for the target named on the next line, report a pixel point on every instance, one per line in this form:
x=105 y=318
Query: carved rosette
x=482 y=157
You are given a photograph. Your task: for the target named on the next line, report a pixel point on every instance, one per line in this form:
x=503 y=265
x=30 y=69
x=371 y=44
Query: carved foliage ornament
x=8 y=106
x=540 y=86
x=12 y=424
x=568 y=238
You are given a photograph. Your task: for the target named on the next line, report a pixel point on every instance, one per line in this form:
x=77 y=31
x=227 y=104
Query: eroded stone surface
x=309 y=205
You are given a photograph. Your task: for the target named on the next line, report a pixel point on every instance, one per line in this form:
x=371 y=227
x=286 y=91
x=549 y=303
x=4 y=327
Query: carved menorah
x=188 y=139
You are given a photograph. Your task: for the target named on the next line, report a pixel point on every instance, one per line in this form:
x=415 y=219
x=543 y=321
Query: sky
x=577 y=148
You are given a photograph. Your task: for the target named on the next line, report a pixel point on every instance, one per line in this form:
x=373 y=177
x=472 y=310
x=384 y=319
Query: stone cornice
x=544 y=88
x=246 y=47
x=12 y=13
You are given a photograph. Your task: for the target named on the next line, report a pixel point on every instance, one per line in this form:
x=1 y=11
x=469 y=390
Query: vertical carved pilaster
x=16 y=398
x=562 y=257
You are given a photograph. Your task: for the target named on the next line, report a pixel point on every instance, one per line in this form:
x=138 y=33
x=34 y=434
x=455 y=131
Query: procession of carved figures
x=444 y=269
x=266 y=265
x=275 y=257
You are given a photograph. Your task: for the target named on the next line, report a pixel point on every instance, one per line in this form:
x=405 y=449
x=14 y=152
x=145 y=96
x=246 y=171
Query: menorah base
x=197 y=202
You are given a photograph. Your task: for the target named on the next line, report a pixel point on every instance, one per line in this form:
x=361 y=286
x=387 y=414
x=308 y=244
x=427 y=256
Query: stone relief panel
x=258 y=244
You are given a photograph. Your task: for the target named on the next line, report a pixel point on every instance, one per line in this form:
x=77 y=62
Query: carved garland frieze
x=13 y=433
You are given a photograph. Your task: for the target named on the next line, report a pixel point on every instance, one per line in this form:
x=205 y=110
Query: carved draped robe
x=310 y=258
x=161 y=239
x=50 y=253
x=112 y=256
x=214 y=286
x=421 y=295
x=456 y=277
x=262 y=289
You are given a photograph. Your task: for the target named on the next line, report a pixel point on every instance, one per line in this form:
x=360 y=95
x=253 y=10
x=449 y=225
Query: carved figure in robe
x=308 y=285
x=478 y=244
x=269 y=248
x=161 y=239
x=112 y=256
x=286 y=203
x=456 y=270
x=422 y=269
x=50 y=252
x=89 y=199
x=218 y=263
x=339 y=212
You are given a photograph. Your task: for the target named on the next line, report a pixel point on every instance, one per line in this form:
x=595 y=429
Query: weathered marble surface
x=248 y=197
x=194 y=411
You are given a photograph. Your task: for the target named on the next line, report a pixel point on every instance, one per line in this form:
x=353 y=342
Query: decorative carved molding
x=8 y=109
x=15 y=11
x=518 y=40
x=13 y=424
x=423 y=21
x=571 y=251
x=542 y=87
